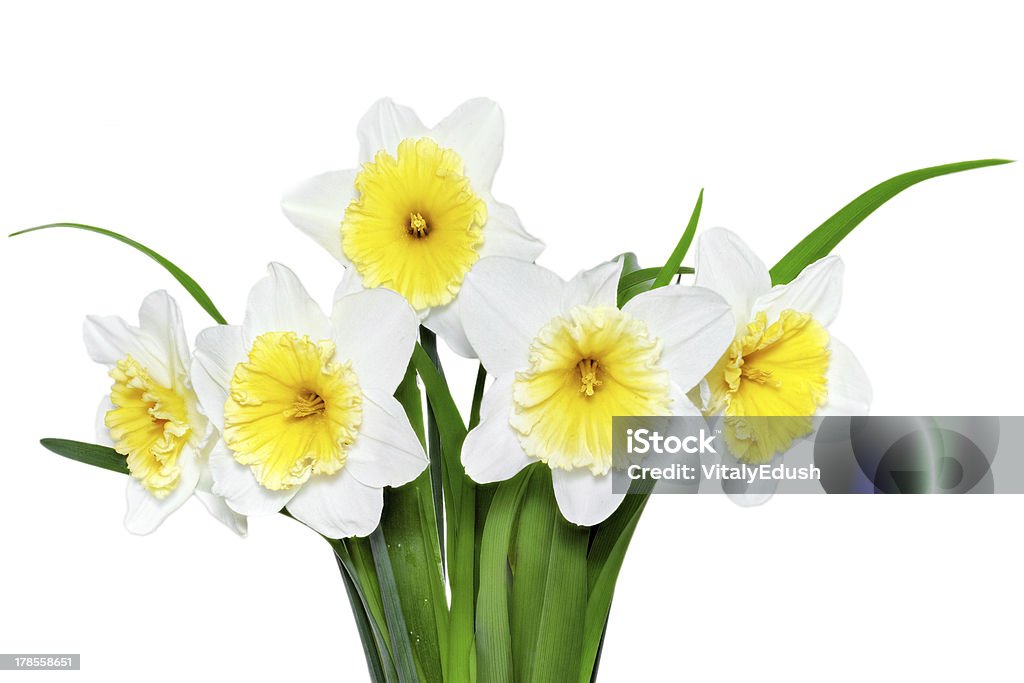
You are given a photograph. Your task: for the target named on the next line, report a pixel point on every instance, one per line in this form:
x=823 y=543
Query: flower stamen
x=588 y=376
x=418 y=226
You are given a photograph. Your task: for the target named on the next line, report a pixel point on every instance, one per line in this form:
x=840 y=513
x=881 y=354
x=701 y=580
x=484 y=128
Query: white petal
x=146 y=512
x=725 y=264
x=492 y=450
x=583 y=498
x=445 y=322
x=387 y=451
x=695 y=326
x=215 y=504
x=218 y=350
x=279 y=303
x=376 y=329
x=598 y=286
x=316 y=207
x=351 y=282
x=102 y=433
x=160 y=319
x=108 y=339
x=817 y=290
x=238 y=486
x=504 y=234
x=218 y=507
x=476 y=130
x=338 y=506
x=384 y=126
x=504 y=303
x=681 y=403
x=849 y=390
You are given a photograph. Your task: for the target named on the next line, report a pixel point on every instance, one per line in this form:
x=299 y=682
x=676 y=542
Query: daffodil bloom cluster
x=493 y=541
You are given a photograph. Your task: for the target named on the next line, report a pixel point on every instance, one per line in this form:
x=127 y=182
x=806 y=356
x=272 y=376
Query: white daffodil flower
x=566 y=360
x=782 y=363
x=305 y=404
x=152 y=416
x=419 y=212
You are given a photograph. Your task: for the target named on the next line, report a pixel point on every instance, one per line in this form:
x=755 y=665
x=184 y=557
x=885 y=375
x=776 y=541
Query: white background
x=183 y=125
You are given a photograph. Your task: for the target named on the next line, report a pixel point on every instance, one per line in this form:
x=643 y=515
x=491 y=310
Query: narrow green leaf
x=409 y=523
x=190 y=285
x=90 y=454
x=604 y=561
x=530 y=559
x=401 y=648
x=429 y=342
x=640 y=281
x=671 y=267
x=363 y=625
x=826 y=236
x=355 y=560
x=449 y=422
x=559 y=644
x=493 y=637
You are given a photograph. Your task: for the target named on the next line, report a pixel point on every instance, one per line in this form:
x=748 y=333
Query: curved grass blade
x=363 y=626
x=400 y=645
x=560 y=635
x=409 y=523
x=493 y=636
x=640 y=281
x=190 y=285
x=826 y=236
x=90 y=454
x=350 y=571
x=671 y=267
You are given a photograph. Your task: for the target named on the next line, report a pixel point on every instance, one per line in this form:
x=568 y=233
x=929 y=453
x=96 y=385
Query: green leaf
x=355 y=561
x=409 y=523
x=401 y=648
x=559 y=641
x=493 y=639
x=449 y=422
x=90 y=454
x=671 y=267
x=826 y=236
x=640 y=281
x=428 y=340
x=607 y=551
x=364 y=626
x=190 y=285
x=531 y=555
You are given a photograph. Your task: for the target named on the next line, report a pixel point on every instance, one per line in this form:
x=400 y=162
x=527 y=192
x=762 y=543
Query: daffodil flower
x=305 y=404
x=419 y=212
x=566 y=360
x=152 y=416
x=783 y=362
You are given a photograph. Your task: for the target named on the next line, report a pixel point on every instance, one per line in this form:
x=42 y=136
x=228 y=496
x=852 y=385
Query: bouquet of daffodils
x=480 y=547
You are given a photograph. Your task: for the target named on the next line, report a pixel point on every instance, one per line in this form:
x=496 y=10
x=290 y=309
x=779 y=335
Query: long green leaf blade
x=826 y=236
x=364 y=582
x=409 y=523
x=363 y=626
x=190 y=285
x=493 y=638
x=90 y=454
x=671 y=267
x=401 y=648
x=607 y=552
x=559 y=643
x=531 y=557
